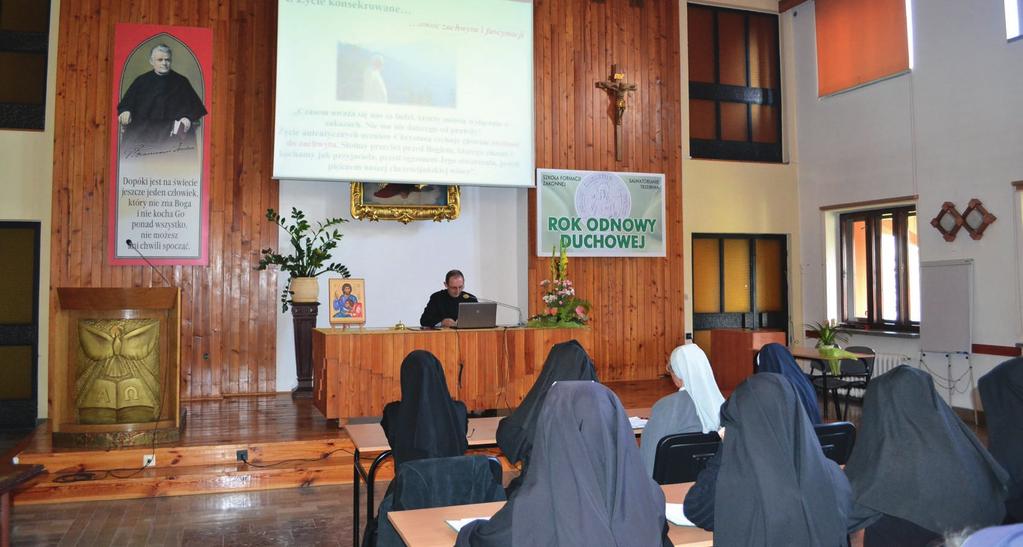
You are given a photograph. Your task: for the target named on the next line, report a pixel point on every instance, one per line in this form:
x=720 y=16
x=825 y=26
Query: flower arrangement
x=562 y=308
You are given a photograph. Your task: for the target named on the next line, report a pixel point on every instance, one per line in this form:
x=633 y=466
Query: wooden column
x=304 y=317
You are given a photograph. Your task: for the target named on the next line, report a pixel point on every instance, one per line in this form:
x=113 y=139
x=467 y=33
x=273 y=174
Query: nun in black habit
x=586 y=484
x=566 y=361
x=426 y=422
x=917 y=471
x=777 y=358
x=770 y=483
x=1001 y=390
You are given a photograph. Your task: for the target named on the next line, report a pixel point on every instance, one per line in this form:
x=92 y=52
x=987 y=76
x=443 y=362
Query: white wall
x=26 y=162
x=404 y=263
x=948 y=131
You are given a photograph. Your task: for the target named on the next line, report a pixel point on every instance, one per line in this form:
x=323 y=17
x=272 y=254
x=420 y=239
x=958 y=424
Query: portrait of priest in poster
x=160 y=145
x=161 y=110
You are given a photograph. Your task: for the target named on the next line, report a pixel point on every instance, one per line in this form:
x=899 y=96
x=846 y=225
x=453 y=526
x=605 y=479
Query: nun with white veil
x=694 y=408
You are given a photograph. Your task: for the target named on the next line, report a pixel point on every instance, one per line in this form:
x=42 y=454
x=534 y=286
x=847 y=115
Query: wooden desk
x=733 y=351
x=427 y=527
x=357 y=371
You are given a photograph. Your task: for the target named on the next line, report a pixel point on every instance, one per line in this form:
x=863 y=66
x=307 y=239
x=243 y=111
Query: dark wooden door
x=19 y=324
x=739 y=281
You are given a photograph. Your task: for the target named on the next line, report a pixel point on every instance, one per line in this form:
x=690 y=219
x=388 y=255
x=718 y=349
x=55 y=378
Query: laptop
x=477 y=315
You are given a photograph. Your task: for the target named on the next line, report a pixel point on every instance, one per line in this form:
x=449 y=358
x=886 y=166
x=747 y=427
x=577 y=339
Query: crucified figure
x=616 y=87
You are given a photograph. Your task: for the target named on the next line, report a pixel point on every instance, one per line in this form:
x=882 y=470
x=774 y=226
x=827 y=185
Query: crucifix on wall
x=617 y=89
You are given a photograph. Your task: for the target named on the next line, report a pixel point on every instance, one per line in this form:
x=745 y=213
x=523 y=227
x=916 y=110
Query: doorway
x=739 y=281
x=19 y=324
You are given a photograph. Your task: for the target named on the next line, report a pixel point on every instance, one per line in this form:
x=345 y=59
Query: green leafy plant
x=562 y=308
x=827 y=333
x=312 y=249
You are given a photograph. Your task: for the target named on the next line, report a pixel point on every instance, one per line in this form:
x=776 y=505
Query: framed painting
x=347 y=301
x=404 y=202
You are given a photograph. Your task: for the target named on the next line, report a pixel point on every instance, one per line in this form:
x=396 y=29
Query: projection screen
x=412 y=91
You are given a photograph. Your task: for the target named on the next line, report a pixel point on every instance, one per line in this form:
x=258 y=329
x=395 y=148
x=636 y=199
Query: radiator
x=883 y=362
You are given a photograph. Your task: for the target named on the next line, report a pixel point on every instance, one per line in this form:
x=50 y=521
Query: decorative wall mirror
x=976 y=218
x=948 y=221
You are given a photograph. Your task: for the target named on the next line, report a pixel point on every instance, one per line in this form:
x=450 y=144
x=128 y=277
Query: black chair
x=681 y=457
x=837 y=440
x=438 y=482
x=852 y=374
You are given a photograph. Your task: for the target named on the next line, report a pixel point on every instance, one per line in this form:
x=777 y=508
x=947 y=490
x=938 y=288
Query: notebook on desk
x=476 y=315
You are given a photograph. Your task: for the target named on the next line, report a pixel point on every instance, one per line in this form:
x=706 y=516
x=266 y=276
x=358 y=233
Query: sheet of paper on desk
x=635 y=422
x=458 y=524
x=673 y=512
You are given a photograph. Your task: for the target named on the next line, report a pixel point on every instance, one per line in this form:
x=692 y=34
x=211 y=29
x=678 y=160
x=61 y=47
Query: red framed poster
x=160 y=145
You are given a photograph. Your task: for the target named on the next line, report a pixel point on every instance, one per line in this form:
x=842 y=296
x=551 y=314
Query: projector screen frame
x=325 y=130
x=404 y=213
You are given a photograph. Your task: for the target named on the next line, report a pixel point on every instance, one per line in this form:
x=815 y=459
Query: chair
x=438 y=482
x=836 y=440
x=852 y=374
x=682 y=456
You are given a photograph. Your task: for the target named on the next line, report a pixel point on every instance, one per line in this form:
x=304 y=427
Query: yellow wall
x=744 y=197
x=736 y=197
x=27 y=180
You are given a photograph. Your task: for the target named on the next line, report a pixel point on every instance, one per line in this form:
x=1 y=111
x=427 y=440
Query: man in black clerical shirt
x=160 y=108
x=442 y=308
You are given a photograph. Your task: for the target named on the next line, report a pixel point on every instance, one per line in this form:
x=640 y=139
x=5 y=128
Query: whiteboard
x=946 y=307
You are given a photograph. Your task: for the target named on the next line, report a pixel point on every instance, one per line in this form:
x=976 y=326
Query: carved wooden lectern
x=114 y=376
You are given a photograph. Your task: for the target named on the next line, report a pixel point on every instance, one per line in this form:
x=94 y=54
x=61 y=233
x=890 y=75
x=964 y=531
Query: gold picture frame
x=405 y=202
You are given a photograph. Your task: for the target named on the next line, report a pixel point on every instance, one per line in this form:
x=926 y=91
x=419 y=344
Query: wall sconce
x=976 y=218
x=948 y=221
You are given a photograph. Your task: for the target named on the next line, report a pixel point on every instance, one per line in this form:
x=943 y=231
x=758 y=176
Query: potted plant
x=562 y=308
x=311 y=251
x=827 y=334
x=828 y=337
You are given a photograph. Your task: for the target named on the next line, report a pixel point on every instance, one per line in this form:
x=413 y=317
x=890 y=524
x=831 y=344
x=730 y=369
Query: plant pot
x=304 y=289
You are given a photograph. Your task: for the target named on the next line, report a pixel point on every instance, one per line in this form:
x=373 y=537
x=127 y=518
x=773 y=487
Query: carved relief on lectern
x=117 y=372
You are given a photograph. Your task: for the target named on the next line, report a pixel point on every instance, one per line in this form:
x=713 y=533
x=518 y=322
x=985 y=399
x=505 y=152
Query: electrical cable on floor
x=246 y=461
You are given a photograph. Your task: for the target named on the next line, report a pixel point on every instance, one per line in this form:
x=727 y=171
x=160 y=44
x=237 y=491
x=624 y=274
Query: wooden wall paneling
x=638 y=304
x=227 y=307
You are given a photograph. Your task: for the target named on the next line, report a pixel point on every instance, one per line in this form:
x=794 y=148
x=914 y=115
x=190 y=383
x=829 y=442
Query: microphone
x=151 y=266
x=509 y=306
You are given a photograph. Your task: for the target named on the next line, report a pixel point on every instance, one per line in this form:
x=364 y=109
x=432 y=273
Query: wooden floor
x=288 y=442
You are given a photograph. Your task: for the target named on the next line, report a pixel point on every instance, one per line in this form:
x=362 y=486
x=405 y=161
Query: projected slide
x=416 y=91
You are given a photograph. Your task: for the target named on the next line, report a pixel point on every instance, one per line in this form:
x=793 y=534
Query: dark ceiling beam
x=785 y=5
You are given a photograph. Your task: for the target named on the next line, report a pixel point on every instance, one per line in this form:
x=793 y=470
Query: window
x=881 y=269
x=24 y=39
x=734 y=85
x=739 y=281
x=1012 y=18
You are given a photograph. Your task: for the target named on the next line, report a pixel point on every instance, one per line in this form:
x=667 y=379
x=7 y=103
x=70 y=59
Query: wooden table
x=427 y=527
x=11 y=477
x=357 y=371
x=370 y=438
x=812 y=354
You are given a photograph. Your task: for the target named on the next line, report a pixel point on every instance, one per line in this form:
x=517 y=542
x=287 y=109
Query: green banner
x=600 y=213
